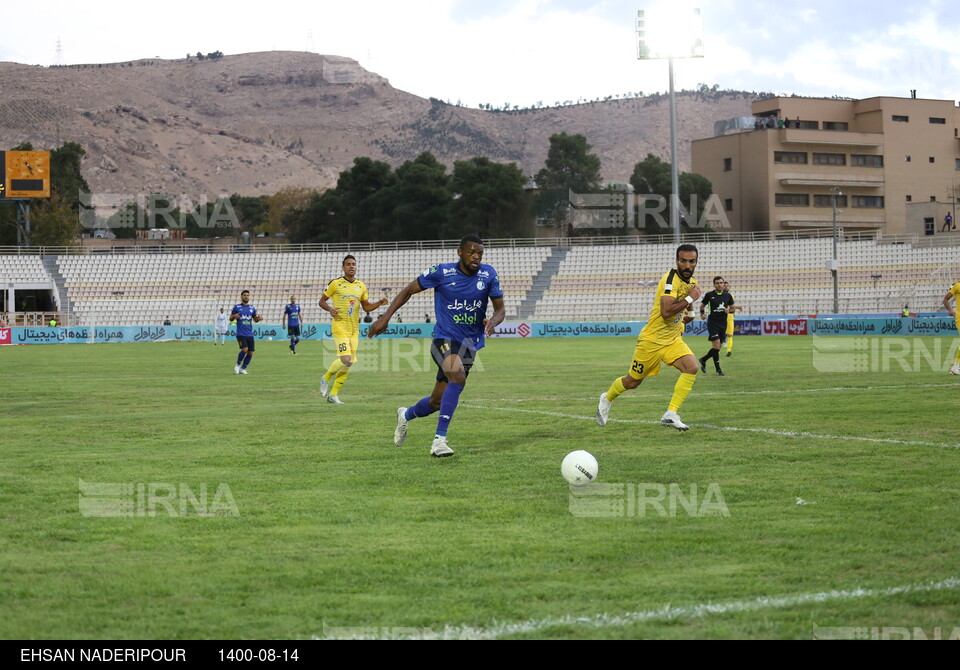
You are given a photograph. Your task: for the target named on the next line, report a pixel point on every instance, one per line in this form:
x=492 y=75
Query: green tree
x=651 y=177
x=490 y=200
x=569 y=167
x=359 y=208
x=423 y=199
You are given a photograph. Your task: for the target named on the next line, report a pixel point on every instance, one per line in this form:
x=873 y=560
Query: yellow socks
x=681 y=391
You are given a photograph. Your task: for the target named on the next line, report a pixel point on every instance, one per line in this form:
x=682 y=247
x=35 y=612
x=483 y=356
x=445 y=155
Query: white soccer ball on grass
x=579 y=468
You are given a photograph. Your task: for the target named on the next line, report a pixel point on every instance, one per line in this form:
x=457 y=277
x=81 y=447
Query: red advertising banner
x=5 y=336
x=797 y=326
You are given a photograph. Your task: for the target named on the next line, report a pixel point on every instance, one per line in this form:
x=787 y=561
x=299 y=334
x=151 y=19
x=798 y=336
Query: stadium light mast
x=669 y=32
x=834 y=264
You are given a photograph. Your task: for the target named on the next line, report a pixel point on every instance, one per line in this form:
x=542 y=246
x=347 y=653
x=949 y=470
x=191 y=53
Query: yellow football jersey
x=956 y=292
x=346 y=297
x=658 y=329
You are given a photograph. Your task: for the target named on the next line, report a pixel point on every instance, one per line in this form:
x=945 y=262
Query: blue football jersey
x=293 y=315
x=245 y=320
x=460 y=301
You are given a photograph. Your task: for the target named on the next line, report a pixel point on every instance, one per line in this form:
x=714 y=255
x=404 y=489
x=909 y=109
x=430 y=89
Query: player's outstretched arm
x=369 y=306
x=499 y=313
x=399 y=301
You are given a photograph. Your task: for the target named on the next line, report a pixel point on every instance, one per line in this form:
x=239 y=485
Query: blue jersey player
x=245 y=315
x=461 y=291
x=291 y=321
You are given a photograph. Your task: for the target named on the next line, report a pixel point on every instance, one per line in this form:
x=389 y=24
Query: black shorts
x=440 y=349
x=246 y=342
x=717 y=330
x=293 y=331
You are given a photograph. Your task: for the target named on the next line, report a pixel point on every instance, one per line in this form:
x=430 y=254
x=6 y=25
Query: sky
x=529 y=52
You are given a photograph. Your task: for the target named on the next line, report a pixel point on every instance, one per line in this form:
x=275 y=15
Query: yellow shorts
x=729 y=324
x=648 y=356
x=346 y=346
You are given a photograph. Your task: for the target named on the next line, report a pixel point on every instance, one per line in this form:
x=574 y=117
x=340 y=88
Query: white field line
x=665 y=613
x=696 y=394
x=763 y=431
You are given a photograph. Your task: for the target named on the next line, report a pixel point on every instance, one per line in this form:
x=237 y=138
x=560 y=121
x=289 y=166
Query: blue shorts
x=246 y=342
x=440 y=349
x=293 y=331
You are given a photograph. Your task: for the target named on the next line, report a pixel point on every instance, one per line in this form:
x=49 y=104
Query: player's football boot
x=440 y=448
x=400 y=433
x=334 y=400
x=603 y=410
x=672 y=420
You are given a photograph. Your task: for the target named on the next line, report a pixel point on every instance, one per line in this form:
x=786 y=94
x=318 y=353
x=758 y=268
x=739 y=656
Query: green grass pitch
x=841 y=494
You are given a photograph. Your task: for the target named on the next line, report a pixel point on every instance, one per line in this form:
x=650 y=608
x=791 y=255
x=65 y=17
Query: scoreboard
x=26 y=174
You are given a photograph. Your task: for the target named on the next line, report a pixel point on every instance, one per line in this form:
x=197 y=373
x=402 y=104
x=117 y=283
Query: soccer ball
x=270 y=338
x=579 y=468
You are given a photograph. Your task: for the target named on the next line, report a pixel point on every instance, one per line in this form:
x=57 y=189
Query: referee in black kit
x=718 y=302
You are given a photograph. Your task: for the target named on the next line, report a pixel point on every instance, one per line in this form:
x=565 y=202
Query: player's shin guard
x=729 y=343
x=246 y=360
x=341 y=377
x=681 y=391
x=616 y=389
x=334 y=368
x=448 y=405
x=240 y=357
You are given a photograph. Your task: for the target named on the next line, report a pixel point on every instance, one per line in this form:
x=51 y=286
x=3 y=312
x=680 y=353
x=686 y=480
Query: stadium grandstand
x=567 y=279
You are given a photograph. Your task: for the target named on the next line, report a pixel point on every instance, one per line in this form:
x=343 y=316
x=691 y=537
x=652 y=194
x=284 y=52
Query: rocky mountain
x=257 y=123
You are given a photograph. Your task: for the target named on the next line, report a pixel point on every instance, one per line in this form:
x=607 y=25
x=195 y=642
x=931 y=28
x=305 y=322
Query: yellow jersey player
x=954 y=293
x=347 y=295
x=660 y=340
x=730 y=325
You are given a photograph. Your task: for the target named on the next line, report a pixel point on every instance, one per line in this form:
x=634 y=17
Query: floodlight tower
x=669 y=32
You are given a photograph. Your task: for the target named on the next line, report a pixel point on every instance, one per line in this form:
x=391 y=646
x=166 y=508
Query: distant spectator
x=53 y=322
x=780 y=123
x=167 y=321
x=798 y=122
x=947 y=223
x=426 y=318
x=367 y=318
x=906 y=311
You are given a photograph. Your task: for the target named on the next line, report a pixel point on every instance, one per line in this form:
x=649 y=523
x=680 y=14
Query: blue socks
x=448 y=405
x=421 y=409
x=246 y=361
x=240 y=358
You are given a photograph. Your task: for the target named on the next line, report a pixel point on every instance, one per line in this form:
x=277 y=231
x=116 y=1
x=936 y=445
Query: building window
x=933 y=198
x=835 y=125
x=928 y=226
x=906 y=159
x=826 y=200
x=932 y=159
x=829 y=159
x=727 y=164
x=868 y=201
x=728 y=204
x=901 y=119
x=958 y=163
x=909 y=198
x=865 y=160
x=794 y=157
x=792 y=200
x=937 y=120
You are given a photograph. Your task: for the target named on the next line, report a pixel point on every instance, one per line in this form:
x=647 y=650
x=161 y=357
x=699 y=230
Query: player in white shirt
x=221 y=327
